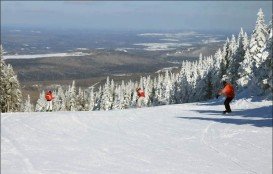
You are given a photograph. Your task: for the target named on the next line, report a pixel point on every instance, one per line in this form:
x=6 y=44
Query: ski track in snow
x=28 y=167
x=185 y=138
x=234 y=160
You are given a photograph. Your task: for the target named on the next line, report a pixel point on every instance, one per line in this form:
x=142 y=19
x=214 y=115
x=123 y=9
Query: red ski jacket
x=49 y=96
x=140 y=93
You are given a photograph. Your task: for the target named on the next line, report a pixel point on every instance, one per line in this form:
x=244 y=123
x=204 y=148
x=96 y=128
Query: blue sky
x=134 y=15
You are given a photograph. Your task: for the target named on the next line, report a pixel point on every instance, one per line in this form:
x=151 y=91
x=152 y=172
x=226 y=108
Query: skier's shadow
x=257 y=123
x=262 y=112
x=210 y=112
x=259 y=117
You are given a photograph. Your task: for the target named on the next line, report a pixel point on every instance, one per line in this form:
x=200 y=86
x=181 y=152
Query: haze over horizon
x=134 y=15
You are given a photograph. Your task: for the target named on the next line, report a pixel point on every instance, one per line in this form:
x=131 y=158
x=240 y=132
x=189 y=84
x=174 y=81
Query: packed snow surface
x=187 y=138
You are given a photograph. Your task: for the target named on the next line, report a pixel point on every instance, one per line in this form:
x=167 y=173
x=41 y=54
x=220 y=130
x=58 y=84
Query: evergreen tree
x=3 y=75
x=27 y=106
x=245 y=41
x=11 y=96
x=217 y=71
x=98 y=99
x=168 y=87
x=263 y=74
x=71 y=97
x=107 y=96
x=258 y=38
x=92 y=100
x=41 y=102
x=80 y=100
x=246 y=69
x=237 y=58
x=253 y=55
x=60 y=100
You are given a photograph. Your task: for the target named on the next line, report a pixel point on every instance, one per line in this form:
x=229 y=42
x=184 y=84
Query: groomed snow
x=190 y=138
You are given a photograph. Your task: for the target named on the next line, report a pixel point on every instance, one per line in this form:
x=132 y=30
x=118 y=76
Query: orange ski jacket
x=49 y=96
x=228 y=91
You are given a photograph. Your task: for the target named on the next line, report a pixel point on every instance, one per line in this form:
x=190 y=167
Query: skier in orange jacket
x=141 y=96
x=227 y=91
x=49 y=97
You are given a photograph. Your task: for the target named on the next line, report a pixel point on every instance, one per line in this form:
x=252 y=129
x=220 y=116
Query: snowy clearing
x=167 y=69
x=211 y=40
x=161 y=46
x=34 y=56
x=170 y=35
x=186 y=138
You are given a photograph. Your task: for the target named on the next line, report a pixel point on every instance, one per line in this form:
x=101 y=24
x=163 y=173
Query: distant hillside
x=100 y=63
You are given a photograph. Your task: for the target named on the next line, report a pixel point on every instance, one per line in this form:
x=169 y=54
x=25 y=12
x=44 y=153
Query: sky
x=134 y=15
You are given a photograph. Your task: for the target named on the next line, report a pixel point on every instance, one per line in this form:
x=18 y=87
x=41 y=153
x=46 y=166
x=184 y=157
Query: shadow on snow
x=259 y=117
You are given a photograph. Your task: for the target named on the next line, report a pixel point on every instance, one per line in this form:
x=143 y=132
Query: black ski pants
x=227 y=101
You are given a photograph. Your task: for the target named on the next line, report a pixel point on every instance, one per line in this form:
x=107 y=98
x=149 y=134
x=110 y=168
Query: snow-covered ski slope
x=192 y=138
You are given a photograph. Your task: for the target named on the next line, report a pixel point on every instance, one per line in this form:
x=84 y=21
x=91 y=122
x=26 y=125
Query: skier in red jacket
x=49 y=97
x=141 y=96
x=227 y=91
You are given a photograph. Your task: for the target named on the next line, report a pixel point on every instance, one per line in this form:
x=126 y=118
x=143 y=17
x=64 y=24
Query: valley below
x=44 y=60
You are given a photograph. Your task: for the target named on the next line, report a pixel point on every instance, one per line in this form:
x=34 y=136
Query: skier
x=49 y=97
x=141 y=96
x=228 y=91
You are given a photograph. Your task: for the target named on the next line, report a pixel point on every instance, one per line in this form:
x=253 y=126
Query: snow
x=15 y=30
x=121 y=50
x=161 y=46
x=211 y=40
x=33 y=56
x=186 y=138
x=167 y=68
x=82 y=49
x=169 y=35
x=170 y=40
x=120 y=75
x=33 y=31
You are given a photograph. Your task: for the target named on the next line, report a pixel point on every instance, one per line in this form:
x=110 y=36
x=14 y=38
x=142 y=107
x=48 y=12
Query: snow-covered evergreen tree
x=107 y=96
x=258 y=39
x=71 y=97
x=245 y=41
x=60 y=99
x=253 y=55
x=263 y=74
x=166 y=88
x=41 y=102
x=246 y=69
x=91 y=99
x=98 y=99
x=80 y=100
x=217 y=71
x=237 y=58
x=3 y=76
x=27 y=106
x=225 y=57
x=11 y=96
